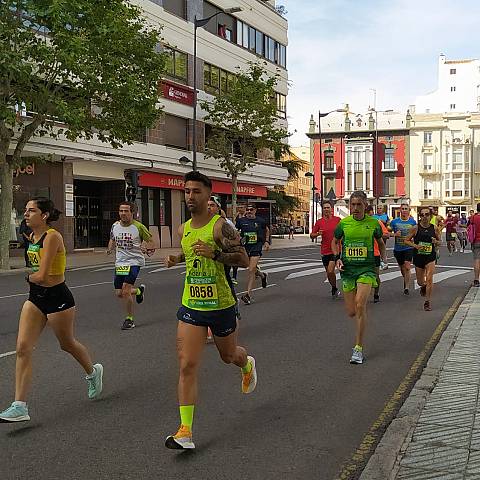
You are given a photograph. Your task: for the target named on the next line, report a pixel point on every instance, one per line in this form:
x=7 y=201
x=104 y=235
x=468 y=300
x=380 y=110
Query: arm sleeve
x=338 y=234
x=145 y=235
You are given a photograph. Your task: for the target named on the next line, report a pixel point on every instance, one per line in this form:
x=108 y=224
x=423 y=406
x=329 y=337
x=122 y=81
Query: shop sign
x=27 y=170
x=177 y=93
x=175 y=182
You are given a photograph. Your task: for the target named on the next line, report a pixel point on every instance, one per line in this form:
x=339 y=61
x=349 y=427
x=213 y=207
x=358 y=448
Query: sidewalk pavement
x=98 y=256
x=436 y=433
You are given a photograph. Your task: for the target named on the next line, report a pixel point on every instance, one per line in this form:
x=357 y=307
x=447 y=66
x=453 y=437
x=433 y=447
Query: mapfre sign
x=177 y=93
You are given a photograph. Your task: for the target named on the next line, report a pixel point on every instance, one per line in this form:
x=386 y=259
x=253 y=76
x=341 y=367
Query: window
x=428 y=162
x=357 y=160
x=259 y=45
x=452 y=106
x=251 y=38
x=389 y=185
x=427 y=137
x=245 y=35
x=427 y=189
x=177 y=7
x=453 y=89
x=328 y=162
x=281 y=105
x=176 y=64
x=389 y=159
x=457 y=159
x=239 y=33
x=453 y=71
x=216 y=80
x=176 y=131
x=457 y=185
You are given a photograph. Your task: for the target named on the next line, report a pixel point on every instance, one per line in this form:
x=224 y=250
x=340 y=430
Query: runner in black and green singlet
x=208 y=244
x=354 y=238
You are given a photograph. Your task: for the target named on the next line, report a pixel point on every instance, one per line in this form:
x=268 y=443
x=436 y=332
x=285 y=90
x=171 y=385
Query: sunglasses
x=250 y=209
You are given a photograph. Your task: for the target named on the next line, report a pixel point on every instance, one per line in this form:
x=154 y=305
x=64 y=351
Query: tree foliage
x=284 y=204
x=82 y=69
x=244 y=123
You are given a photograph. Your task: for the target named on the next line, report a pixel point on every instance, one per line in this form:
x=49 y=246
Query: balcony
x=329 y=168
x=389 y=166
x=429 y=170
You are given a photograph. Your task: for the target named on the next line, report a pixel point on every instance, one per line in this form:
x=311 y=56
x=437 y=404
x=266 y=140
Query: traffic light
x=131 y=188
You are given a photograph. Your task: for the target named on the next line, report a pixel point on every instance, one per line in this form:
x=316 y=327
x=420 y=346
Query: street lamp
x=201 y=22
x=375 y=148
x=314 y=210
x=320 y=116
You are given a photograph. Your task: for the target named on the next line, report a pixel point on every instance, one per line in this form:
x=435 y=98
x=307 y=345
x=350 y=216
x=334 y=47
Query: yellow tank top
x=35 y=252
x=206 y=287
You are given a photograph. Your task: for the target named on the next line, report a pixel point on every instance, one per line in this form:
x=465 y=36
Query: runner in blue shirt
x=401 y=227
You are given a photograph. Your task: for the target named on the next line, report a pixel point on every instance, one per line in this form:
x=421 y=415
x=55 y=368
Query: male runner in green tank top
x=354 y=237
x=208 y=244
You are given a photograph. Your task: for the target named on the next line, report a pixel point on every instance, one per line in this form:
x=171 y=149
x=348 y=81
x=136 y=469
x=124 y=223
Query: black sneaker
x=245 y=298
x=405 y=291
x=376 y=298
x=264 y=280
x=476 y=283
x=128 y=324
x=335 y=292
x=139 y=297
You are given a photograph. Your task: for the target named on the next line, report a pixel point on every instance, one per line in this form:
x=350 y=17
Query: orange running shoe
x=181 y=440
x=249 y=380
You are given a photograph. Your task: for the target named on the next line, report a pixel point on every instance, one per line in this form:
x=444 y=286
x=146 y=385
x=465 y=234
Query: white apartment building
x=88 y=180
x=458 y=88
x=445 y=161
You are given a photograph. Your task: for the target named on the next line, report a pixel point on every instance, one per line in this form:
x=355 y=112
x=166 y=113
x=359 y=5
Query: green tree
x=244 y=124
x=284 y=204
x=86 y=68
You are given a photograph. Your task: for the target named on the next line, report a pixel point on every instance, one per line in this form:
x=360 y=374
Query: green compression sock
x=138 y=291
x=130 y=317
x=186 y=415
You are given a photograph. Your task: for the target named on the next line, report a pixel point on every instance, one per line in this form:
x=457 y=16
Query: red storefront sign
x=177 y=93
x=175 y=182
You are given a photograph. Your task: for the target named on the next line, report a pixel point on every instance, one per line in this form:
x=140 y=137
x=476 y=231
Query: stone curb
x=385 y=461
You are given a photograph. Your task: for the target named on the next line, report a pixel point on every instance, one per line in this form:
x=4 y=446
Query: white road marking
x=76 y=269
x=439 y=277
x=162 y=269
x=7 y=354
x=258 y=288
x=306 y=273
x=289 y=267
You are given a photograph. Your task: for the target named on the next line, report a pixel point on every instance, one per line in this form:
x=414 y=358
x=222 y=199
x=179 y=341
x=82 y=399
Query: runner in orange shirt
x=376 y=253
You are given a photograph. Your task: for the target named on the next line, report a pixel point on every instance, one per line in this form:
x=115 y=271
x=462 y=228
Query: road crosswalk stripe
x=289 y=267
x=439 y=277
x=305 y=273
x=162 y=269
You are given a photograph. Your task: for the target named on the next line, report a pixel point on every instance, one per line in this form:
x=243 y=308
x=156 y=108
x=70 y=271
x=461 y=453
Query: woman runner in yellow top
x=50 y=301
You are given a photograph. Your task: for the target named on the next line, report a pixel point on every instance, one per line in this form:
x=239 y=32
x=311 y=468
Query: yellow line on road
x=353 y=467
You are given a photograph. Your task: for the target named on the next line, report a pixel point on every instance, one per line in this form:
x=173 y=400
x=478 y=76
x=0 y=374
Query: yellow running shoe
x=249 y=380
x=181 y=440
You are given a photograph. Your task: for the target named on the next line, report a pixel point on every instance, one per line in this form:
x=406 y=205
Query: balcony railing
x=429 y=170
x=329 y=167
x=388 y=166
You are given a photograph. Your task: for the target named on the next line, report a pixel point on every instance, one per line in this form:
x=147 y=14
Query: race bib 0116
x=356 y=253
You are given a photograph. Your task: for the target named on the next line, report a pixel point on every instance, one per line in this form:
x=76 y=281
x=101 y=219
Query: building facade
x=93 y=174
x=458 y=88
x=300 y=188
x=368 y=152
x=445 y=161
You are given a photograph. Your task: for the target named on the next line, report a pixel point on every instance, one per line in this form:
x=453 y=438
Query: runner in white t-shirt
x=131 y=240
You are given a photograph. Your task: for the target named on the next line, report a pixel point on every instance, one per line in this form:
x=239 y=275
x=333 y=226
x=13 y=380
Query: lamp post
x=320 y=116
x=375 y=148
x=314 y=210
x=200 y=22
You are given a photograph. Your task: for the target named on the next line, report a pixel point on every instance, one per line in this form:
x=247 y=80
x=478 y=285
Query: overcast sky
x=340 y=49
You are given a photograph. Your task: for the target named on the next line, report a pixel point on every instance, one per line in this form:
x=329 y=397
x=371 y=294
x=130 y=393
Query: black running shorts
x=403 y=256
x=222 y=323
x=51 y=299
x=326 y=259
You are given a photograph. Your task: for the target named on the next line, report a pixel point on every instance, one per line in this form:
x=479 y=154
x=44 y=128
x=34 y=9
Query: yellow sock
x=359 y=348
x=247 y=368
x=186 y=415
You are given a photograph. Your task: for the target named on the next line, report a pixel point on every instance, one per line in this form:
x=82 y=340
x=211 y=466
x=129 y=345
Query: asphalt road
x=310 y=411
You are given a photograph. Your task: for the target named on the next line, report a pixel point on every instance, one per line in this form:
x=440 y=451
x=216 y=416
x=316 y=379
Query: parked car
x=299 y=229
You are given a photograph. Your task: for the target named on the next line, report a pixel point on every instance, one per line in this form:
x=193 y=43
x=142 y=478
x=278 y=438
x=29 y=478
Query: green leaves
x=88 y=66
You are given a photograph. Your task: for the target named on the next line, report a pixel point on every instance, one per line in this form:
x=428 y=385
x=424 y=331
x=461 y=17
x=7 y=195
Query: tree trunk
x=234 y=196
x=6 y=200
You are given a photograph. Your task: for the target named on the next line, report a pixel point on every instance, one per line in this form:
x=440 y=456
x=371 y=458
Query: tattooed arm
x=230 y=251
